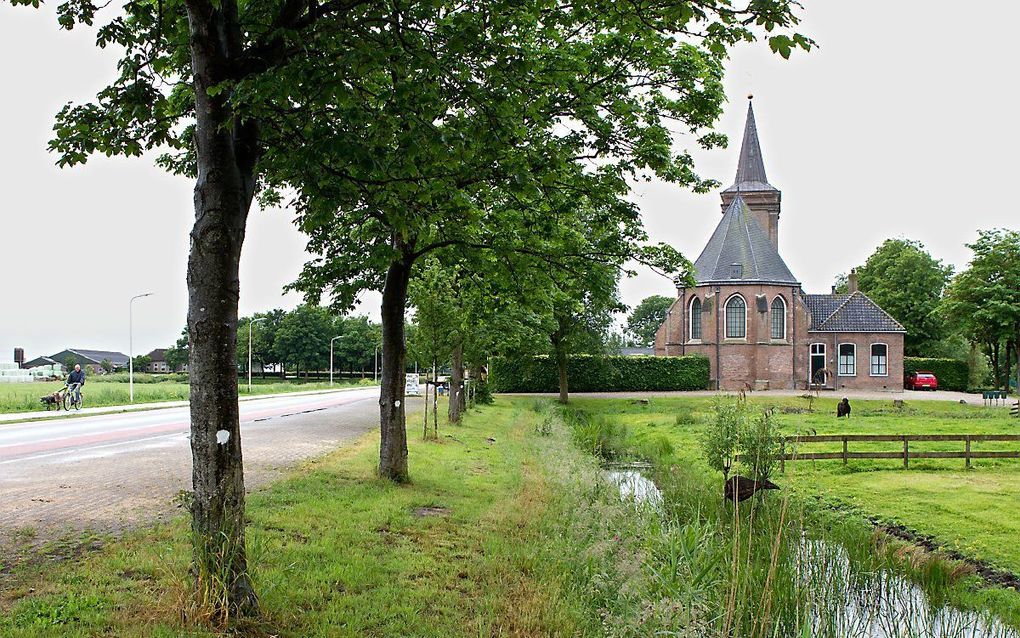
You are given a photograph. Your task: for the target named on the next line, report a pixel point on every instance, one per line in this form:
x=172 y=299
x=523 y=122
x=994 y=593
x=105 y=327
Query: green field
x=100 y=392
x=971 y=511
x=509 y=528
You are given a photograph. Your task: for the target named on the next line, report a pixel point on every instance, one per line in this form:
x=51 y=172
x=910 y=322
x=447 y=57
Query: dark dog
x=843 y=408
x=51 y=399
x=741 y=488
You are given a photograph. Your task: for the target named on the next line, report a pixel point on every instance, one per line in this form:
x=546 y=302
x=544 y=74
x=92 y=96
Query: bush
x=591 y=373
x=951 y=373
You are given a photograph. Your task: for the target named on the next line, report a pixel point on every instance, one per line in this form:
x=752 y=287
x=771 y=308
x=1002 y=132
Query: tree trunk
x=1016 y=348
x=993 y=354
x=225 y=148
x=425 y=423
x=435 y=398
x=1009 y=365
x=561 y=366
x=392 y=427
x=456 y=379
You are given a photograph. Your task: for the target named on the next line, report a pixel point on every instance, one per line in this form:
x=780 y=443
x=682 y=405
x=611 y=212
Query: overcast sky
x=901 y=124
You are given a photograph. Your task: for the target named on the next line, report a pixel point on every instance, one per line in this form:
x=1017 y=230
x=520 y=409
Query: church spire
x=750 y=166
x=751 y=184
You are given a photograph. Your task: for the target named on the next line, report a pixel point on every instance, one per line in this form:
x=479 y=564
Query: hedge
x=951 y=373
x=593 y=373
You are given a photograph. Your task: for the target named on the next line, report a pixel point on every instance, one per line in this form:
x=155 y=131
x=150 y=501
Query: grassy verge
x=100 y=392
x=475 y=546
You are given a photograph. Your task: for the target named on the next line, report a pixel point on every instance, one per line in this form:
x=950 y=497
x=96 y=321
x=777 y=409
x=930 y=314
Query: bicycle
x=72 y=397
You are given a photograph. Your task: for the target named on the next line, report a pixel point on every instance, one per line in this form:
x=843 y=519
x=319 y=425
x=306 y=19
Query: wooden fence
x=906 y=439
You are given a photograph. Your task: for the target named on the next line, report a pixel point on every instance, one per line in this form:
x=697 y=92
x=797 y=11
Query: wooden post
x=906 y=454
x=967 y=453
x=782 y=455
x=844 y=450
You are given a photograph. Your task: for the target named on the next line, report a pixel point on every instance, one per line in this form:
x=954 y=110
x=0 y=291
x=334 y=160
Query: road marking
x=94 y=447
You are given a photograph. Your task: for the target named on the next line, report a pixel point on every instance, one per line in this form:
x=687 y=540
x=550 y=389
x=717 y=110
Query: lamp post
x=131 y=346
x=375 y=361
x=331 y=358
x=250 y=324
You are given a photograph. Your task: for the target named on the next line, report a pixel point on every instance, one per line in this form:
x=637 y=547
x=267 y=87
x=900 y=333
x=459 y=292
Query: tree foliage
x=644 y=321
x=983 y=301
x=907 y=282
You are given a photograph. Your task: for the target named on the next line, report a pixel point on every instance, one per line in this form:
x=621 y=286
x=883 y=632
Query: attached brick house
x=749 y=315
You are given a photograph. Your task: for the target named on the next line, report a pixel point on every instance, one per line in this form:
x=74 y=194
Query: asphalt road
x=111 y=472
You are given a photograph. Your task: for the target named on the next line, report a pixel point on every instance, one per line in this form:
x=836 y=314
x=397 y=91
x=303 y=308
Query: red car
x=921 y=381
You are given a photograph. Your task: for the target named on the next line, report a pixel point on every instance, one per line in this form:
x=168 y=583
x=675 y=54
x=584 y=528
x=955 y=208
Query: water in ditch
x=844 y=601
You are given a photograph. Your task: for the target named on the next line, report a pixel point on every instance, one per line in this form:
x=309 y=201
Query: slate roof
x=855 y=312
x=750 y=167
x=97 y=356
x=637 y=351
x=740 y=250
x=157 y=355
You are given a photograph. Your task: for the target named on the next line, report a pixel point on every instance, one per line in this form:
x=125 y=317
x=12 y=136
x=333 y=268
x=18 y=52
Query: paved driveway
x=906 y=395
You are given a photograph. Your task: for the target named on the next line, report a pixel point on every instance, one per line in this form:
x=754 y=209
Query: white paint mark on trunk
x=222 y=436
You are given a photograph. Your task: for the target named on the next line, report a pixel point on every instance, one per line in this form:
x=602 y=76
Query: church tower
x=751 y=184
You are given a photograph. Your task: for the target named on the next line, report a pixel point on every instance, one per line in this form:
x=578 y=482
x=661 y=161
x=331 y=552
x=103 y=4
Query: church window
x=695 y=319
x=847 y=360
x=778 y=318
x=736 y=318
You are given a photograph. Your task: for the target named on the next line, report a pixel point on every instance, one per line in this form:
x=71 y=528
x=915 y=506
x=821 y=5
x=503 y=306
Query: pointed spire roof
x=740 y=250
x=751 y=166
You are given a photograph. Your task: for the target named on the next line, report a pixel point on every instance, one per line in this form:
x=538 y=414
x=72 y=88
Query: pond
x=842 y=600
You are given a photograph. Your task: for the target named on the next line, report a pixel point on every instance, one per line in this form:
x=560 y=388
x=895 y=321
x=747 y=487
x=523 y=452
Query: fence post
x=782 y=458
x=906 y=454
x=967 y=454
x=844 y=450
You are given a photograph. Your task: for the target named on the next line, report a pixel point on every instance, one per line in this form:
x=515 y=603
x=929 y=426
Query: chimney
x=833 y=288
x=851 y=281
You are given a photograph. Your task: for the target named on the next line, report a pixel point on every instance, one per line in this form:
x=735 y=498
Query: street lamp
x=250 y=323
x=331 y=358
x=131 y=346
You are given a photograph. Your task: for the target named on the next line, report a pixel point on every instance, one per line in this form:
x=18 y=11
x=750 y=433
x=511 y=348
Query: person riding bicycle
x=76 y=380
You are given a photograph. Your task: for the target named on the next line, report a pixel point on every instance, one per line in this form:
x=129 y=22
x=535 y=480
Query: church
x=749 y=315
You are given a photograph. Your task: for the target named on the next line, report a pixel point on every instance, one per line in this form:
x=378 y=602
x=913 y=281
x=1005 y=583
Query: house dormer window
x=695 y=319
x=736 y=318
x=778 y=318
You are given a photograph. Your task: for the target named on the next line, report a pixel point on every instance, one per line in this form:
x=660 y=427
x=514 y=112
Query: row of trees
x=298 y=340
x=498 y=137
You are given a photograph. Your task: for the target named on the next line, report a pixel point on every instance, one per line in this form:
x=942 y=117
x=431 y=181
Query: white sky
x=900 y=124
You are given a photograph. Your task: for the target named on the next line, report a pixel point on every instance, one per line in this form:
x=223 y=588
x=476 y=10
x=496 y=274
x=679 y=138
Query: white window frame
x=690 y=323
x=839 y=359
x=871 y=359
x=772 y=318
x=726 y=317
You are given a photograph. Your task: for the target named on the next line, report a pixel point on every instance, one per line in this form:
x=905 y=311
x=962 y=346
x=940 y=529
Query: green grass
x=523 y=538
x=338 y=552
x=971 y=511
x=114 y=390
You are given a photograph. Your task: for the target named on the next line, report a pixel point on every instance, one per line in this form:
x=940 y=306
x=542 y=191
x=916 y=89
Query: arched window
x=695 y=319
x=778 y=318
x=879 y=360
x=736 y=318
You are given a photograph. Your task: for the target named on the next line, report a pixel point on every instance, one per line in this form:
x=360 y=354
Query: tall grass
x=771 y=566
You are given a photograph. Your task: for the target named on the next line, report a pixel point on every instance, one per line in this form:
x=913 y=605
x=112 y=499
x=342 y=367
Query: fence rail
x=967 y=453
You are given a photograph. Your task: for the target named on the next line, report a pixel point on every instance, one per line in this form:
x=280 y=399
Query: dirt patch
x=423 y=512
